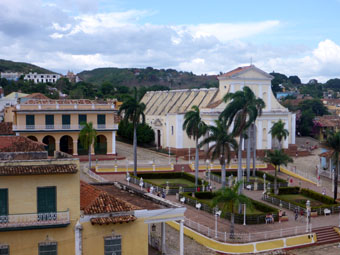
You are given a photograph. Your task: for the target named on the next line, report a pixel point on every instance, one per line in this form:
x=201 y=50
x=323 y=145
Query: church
x=165 y=110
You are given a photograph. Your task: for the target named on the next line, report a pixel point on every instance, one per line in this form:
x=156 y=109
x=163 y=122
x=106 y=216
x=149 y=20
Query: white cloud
x=60 y=39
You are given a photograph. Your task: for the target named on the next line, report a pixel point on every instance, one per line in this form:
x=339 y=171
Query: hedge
x=260 y=174
x=175 y=175
x=317 y=196
x=289 y=190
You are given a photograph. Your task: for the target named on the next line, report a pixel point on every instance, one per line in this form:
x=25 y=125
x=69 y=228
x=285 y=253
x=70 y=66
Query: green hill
x=11 y=66
x=147 y=77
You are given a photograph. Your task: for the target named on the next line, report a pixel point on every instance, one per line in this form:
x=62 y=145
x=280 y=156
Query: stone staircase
x=326 y=235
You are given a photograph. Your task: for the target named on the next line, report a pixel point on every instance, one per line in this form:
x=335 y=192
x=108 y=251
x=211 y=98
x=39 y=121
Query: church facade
x=165 y=110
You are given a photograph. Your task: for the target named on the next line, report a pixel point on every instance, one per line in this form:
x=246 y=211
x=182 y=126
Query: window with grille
x=4 y=249
x=113 y=245
x=49 y=248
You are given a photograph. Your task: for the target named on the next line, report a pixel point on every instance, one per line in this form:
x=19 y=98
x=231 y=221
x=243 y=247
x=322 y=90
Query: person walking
x=296 y=214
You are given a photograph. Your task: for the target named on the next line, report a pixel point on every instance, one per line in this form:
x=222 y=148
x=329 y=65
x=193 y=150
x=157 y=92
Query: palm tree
x=277 y=158
x=195 y=128
x=279 y=132
x=333 y=142
x=228 y=199
x=87 y=137
x=243 y=109
x=223 y=143
x=134 y=112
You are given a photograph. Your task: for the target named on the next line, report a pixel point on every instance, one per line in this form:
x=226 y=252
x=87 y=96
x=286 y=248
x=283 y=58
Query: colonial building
x=57 y=124
x=42 y=78
x=46 y=209
x=165 y=110
x=10 y=76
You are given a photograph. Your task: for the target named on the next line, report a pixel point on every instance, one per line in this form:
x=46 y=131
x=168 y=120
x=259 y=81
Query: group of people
x=269 y=218
x=158 y=193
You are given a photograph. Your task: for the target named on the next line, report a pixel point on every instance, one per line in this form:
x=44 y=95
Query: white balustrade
x=34 y=219
x=61 y=127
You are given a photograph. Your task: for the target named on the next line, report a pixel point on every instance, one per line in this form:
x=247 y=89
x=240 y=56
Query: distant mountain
x=148 y=77
x=11 y=66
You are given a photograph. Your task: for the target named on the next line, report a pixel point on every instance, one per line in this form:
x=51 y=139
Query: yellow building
x=57 y=124
x=45 y=209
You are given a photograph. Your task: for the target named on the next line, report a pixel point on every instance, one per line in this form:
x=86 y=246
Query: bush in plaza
x=289 y=190
x=317 y=196
x=173 y=175
x=145 y=134
x=259 y=174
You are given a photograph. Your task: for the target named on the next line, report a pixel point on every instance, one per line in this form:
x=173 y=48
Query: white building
x=165 y=110
x=42 y=78
x=11 y=76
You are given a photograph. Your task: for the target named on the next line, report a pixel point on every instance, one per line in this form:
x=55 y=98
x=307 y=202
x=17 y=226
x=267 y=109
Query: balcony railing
x=61 y=127
x=34 y=220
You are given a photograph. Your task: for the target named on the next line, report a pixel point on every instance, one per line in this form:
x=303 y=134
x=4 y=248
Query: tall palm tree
x=228 y=199
x=223 y=142
x=87 y=137
x=277 y=158
x=333 y=142
x=279 y=132
x=195 y=128
x=134 y=112
x=243 y=109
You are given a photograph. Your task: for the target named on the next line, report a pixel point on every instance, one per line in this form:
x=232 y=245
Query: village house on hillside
x=165 y=110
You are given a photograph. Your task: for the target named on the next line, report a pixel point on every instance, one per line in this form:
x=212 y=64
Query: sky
x=204 y=37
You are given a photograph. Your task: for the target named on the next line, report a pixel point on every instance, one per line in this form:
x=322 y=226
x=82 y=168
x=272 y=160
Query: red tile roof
x=67 y=101
x=235 y=71
x=94 y=200
x=38 y=169
x=19 y=144
x=36 y=96
x=6 y=128
x=328 y=121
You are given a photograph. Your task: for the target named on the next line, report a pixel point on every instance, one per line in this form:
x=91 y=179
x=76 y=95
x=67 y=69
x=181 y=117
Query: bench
x=198 y=206
x=284 y=218
x=327 y=212
x=314 y=214
x=182 y=200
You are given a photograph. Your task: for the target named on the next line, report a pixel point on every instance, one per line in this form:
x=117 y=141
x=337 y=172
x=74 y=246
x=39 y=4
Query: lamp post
x=244 y=214
x=128 y=178
x=169 y=156
x=264 y=182
x=189 y=156
x=217 y=214
x=339 y=216
x=308 y=215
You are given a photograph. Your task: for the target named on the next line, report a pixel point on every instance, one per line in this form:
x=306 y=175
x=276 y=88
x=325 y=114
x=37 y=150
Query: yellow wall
x=134 y=237
x=22 y=197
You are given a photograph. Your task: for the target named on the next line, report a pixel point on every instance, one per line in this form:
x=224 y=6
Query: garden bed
x=294 y=197
x=254 y=215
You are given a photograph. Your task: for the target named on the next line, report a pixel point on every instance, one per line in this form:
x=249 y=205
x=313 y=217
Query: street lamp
x=339 y=216
x=189 y=157
x=169 y=156
x=217 y=214
x=244 y=214
x=308 y=215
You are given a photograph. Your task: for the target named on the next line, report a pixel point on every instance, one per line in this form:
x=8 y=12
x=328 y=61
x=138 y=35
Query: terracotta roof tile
x=37 y=169
x=113 y=220
x=235 y=71
x=37 y=96
x=67 y=101
x=328 y=121
x=6 y=128
x=94 y=200
x=19 y=144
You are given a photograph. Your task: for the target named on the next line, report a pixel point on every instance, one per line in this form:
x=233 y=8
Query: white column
x=181 y=238
x=163 y=237
x=269 y=136
x=259 y=135
x=293 y=131
x=75 y=148
x=167 y=131
x=114 y=142
x=78 y=239
x=269 y=96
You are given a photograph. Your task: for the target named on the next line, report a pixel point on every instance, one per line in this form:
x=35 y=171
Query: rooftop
x=6 y=128
x=8 y=170
x=236 y=71
x=19 y=144
x=328 y=120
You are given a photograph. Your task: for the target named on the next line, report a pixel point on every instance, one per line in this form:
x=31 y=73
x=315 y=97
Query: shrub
x=204 y=195
x=317 y=196
x=289 y=190
x=260 y=174
x=172 y=175
x=145 y=134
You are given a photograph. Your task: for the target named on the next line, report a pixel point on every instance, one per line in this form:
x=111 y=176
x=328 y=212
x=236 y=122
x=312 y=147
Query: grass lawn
x=298 y=198
x=249 y=211
x=176 y=182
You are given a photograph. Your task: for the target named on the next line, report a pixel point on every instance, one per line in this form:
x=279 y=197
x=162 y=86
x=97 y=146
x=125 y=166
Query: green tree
x=87 y=137
x=133 y=111
x=305 y=122
x=223 y=142
x=106 y=88
x=195 y=128
x=229 y=199
x=279 y=132
x=294 y=79
x=333 y=142
x=315 y=105
x=243 y=109
x=277 y=158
